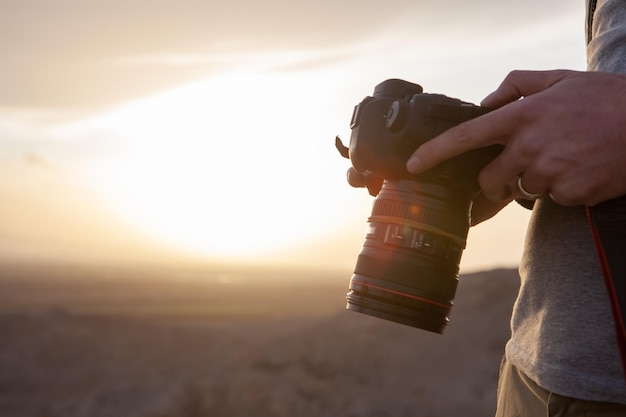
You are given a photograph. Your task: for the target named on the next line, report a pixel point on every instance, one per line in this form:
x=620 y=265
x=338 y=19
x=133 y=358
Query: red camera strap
x=608 y=225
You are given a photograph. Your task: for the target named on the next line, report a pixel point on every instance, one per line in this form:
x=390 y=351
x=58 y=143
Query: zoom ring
x=448 y=222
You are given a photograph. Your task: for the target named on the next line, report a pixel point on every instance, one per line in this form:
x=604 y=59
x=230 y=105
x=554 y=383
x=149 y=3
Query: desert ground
x=206 y=341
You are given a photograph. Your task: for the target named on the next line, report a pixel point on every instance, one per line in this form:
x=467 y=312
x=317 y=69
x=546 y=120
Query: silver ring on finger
x=525 y=194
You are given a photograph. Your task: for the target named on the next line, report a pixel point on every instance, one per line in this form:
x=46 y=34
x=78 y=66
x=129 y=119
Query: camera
x=407 y=269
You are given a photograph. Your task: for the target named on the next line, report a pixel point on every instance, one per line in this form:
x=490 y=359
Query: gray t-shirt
x=563 y=336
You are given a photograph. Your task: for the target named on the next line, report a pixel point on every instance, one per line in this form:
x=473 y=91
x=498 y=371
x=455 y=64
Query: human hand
x=372 y=182
x=484 y=209
x=564 y=134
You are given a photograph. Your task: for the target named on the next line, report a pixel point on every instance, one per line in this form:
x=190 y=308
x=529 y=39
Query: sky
x=188 y=129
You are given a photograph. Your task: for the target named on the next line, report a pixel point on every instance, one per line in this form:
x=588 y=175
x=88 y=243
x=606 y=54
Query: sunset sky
x=137 y=129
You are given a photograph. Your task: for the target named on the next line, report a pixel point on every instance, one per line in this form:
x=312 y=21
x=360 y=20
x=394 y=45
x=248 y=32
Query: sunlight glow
x=212 y=166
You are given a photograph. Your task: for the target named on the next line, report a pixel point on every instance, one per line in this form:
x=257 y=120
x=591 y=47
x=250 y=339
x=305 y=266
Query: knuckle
x=547 y=173
x=529 y=150
x=529 y=112
x=514 y=75
x=462 y=135
x=573 y=194
x=484 y=181
x=564 y=198
x=491 y=188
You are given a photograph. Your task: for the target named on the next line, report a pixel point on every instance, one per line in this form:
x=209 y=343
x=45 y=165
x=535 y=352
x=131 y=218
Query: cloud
x=323 y=56
x=76 y=53
x=36 y=160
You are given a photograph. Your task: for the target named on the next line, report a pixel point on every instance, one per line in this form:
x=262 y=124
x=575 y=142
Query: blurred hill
x=141 y=343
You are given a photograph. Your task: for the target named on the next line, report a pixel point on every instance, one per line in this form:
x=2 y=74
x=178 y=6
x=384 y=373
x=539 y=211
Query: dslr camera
x=407 y=269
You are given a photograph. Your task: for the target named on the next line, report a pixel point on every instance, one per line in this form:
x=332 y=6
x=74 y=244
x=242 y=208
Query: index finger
x=489 y=129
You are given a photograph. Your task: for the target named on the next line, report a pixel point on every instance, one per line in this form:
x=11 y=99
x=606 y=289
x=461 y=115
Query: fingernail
x=487 y=100
x=413 y=165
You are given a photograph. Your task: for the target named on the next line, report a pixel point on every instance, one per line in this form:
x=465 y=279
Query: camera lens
x=407 y=270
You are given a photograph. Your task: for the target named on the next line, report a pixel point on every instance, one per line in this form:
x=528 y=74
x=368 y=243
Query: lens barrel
x=407 y=270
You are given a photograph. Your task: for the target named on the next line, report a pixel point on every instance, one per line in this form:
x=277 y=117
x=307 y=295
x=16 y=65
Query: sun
x=222 y=166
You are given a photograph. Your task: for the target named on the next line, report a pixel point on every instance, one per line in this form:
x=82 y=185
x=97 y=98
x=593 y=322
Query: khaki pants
x=518 y=396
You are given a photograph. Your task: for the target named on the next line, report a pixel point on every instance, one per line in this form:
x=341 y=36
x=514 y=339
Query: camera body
x=407 y=270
